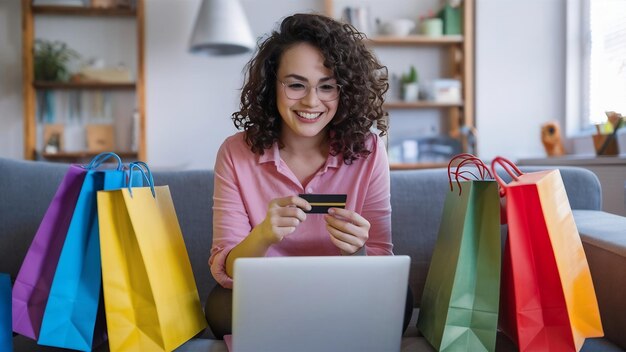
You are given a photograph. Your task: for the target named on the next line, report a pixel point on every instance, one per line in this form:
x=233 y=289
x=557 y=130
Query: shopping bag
x=6 y=332
x=459 y=308
x=73 y=306
x=548 y=301
x=32 y=285
x=151 y=299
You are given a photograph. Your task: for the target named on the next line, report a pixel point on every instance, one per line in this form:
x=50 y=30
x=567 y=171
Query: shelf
x=82 y=155
x=415 y=40
x=83 y=11
x=108 y=17
x=420 y=105
x=83 y=85
x=445 y=56
x=413 y=166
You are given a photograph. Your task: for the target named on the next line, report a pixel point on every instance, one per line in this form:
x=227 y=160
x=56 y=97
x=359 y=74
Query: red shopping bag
x=547 y=298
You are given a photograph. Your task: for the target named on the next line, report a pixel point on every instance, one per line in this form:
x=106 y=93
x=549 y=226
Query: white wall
x=519 y=78
x=520 y=74
x=11 y=126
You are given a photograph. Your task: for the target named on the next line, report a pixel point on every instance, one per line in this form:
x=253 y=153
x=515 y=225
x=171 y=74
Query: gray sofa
x=417 y=201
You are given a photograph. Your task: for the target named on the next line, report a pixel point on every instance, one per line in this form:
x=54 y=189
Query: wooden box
x=100 y=138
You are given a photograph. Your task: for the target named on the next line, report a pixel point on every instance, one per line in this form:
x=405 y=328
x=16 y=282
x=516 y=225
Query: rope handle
x=507 y=165
x=145 y=171
x=480 y=165
x=467 y=158
x=101 y=158
x=464 y=156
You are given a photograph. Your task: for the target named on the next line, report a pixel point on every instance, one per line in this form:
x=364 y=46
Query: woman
x=313 y=92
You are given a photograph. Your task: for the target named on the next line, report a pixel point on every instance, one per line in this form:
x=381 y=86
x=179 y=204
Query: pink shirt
x=245 y=183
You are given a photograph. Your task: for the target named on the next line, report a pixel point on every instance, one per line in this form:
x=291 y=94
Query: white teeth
x=309 y=116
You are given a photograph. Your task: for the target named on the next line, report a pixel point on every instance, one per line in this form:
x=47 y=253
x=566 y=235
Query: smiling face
x=303 y=65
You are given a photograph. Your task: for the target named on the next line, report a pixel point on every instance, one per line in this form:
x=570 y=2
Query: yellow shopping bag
x=150 y=296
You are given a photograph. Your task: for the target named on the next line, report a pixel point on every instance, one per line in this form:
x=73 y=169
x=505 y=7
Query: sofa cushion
x=27 y=190
x=603 y=230
x=417 y=198
x=604 y=239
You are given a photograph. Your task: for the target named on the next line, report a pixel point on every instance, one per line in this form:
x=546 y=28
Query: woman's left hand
x=348 y=230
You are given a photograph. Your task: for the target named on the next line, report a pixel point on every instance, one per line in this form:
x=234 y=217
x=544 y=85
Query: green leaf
x=51 y=59
x=411 y=77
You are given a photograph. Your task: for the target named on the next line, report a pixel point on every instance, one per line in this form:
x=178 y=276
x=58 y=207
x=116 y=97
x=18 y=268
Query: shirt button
x=309 y=190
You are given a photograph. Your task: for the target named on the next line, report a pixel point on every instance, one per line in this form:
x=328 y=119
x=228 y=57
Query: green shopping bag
x=459 y=308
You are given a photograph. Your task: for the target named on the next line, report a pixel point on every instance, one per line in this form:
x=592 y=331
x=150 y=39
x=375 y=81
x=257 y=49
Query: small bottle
x=134 y=132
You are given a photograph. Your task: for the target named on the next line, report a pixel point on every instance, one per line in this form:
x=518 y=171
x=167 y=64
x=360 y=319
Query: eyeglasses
x=299 y=90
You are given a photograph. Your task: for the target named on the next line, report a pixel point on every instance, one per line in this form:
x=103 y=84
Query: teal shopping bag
x=6 y=330
x=73 y=317
x=459 y=307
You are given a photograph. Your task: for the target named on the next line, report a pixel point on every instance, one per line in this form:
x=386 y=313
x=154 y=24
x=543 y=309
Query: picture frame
x=53 y=137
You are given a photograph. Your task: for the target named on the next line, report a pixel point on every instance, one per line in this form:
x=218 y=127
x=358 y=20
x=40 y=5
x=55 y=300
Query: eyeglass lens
x=298 y=90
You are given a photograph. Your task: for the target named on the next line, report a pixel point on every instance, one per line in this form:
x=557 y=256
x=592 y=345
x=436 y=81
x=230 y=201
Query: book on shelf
x=77 y=3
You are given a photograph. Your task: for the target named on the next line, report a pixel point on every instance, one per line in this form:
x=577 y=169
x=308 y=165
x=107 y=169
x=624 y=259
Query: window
x=596 y=67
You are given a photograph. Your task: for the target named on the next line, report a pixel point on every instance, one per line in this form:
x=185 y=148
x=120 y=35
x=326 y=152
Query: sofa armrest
x=604 y=239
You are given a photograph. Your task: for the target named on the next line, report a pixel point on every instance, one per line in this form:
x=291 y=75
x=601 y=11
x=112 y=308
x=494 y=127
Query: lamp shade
x=221 y=28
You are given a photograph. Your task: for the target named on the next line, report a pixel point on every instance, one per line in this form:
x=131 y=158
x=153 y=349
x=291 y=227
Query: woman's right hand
x=283 y=216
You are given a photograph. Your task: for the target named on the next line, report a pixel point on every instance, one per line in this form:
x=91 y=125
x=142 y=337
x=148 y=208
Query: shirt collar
x=272 y=155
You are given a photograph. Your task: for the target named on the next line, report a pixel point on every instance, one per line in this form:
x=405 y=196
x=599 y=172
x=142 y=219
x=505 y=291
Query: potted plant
x=51 y=59
x=410 y=85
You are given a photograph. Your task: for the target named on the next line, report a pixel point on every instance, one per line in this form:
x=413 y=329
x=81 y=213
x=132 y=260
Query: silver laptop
x=319 y=303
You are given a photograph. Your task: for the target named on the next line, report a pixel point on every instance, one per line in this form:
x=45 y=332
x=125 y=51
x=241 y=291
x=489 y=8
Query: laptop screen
x=328 y=303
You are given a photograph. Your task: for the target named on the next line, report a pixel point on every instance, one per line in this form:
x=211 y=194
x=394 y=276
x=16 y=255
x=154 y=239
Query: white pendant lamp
x=221 y=29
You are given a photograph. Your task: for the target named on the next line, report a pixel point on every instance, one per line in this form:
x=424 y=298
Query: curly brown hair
x=362 y=77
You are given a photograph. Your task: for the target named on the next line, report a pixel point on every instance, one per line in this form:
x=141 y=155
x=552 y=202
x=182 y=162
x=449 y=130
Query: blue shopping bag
x=73 y=316
x=6 y=331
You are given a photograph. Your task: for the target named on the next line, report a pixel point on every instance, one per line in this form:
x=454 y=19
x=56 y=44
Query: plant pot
x=410 y=91
x=432 y=27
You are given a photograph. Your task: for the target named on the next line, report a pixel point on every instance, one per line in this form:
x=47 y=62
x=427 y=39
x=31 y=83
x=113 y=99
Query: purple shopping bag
x=34 y=280
x=32 y=286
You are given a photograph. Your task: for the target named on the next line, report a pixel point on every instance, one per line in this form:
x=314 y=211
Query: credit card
x=320 y=203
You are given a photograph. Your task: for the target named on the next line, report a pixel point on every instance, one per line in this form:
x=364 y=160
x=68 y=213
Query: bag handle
x=145 y=171
x=507 y=165
x=466 y=158
x=480 y=165
x=102 y=157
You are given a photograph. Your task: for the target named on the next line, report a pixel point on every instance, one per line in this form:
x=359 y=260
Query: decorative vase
x=432 y=27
